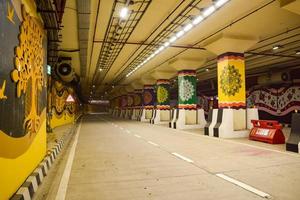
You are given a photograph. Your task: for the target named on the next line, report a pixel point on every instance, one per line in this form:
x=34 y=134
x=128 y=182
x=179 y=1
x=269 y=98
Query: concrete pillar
x=230 y=120
x=148 y=102
x=162 y=112
x=188 y=117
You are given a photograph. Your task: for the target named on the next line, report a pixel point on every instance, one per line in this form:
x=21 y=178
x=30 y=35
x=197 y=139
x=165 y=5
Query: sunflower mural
x=163 y=94
x=187 y=97
x=231 y=80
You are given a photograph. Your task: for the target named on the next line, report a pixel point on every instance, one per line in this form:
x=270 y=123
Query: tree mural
x=28 y=73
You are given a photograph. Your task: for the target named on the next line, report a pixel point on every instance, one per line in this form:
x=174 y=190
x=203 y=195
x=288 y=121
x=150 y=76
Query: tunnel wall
x=22 y=94
x=63 y=112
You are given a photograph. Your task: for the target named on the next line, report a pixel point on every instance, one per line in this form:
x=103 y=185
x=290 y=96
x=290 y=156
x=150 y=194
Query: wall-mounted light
x=206 y=13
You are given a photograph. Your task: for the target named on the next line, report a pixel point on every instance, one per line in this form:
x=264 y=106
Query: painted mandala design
x=162 y=94
x=231 y=81
x=186 y=90
x=147 y=97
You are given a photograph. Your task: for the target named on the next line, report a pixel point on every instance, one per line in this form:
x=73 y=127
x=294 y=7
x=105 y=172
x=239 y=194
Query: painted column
x=148 y=97
x=163 y=94
x=130 y=102
x=137 y=99
x=187 y=97
x=124 y=101
x=231 y=80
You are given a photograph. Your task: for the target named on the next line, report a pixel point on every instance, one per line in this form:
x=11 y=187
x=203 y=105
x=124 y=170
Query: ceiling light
x=298 y=52
x=161 y=48
x=276 y=47
x=209 y=11
x=100 y=69
x=197 y=20
x=124 y=13
x=179 y=34
x=166 y=44
x=221 y=3
x=94 y=86
x=188 y=27
x=173 y=39
x=207 y=69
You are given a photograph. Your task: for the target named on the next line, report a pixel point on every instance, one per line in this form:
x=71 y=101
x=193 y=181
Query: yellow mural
x=29 y=67
x=10 y=13
x=62 y=112
x=21 y=153
x=231 y=81
x=2 y=91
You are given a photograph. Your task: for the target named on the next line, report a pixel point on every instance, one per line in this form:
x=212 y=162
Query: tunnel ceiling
x=111 y=47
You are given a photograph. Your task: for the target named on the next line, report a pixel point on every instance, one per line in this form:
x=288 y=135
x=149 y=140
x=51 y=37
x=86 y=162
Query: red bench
x=269 y=131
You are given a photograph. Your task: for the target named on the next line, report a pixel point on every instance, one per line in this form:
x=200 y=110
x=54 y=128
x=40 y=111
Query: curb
x=34 y=180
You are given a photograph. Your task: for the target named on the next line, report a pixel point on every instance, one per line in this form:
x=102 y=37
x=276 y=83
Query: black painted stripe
x=29 y=185
x=37 y=177
x=219 y=122
x=208 y=122
x=42 y=167
x=17 y=197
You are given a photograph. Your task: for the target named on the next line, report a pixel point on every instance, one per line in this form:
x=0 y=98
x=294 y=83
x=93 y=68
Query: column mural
x=137 y=99
x=130 y=102
x=163 y=94
x=124 y=101
x=148 y=97
x=22 y=95
x=231 y=80
x=187 y=97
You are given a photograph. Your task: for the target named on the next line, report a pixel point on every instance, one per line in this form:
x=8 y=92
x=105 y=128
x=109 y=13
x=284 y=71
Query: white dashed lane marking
x=154 y=144
x=182 y=157
x=244 y=186
x=138 y=136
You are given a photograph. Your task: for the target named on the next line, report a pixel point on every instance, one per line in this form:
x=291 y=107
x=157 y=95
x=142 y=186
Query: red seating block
x=269 y=131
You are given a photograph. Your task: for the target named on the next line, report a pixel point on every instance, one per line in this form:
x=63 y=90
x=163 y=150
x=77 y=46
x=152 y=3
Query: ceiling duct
x=83 y=14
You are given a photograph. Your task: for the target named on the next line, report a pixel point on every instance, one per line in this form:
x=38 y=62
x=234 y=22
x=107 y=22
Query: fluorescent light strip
x=209 y=11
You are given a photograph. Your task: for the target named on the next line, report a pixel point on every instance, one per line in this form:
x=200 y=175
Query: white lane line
x=127 y=131
x=63 y=185
x=245 y=186
x=121 y=128
x=182 y=157
x=154 y=144
x=138 y=136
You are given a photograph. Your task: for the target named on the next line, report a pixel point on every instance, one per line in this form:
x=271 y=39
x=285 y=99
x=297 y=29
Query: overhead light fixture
x=173 y=39
x=197 y=20
x=207 y=69
x=298 y=52
x=100 y=69
x=179 y=34
x=188 y=27
x=276 y=47
x=124 y=12
x=94 y=86
x=166 y=44
x=207 y=12
x=220 y=3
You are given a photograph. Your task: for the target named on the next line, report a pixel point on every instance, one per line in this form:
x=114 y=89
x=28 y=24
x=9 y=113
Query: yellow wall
x=64 y=119
x=13 y=172
x=14 y=169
